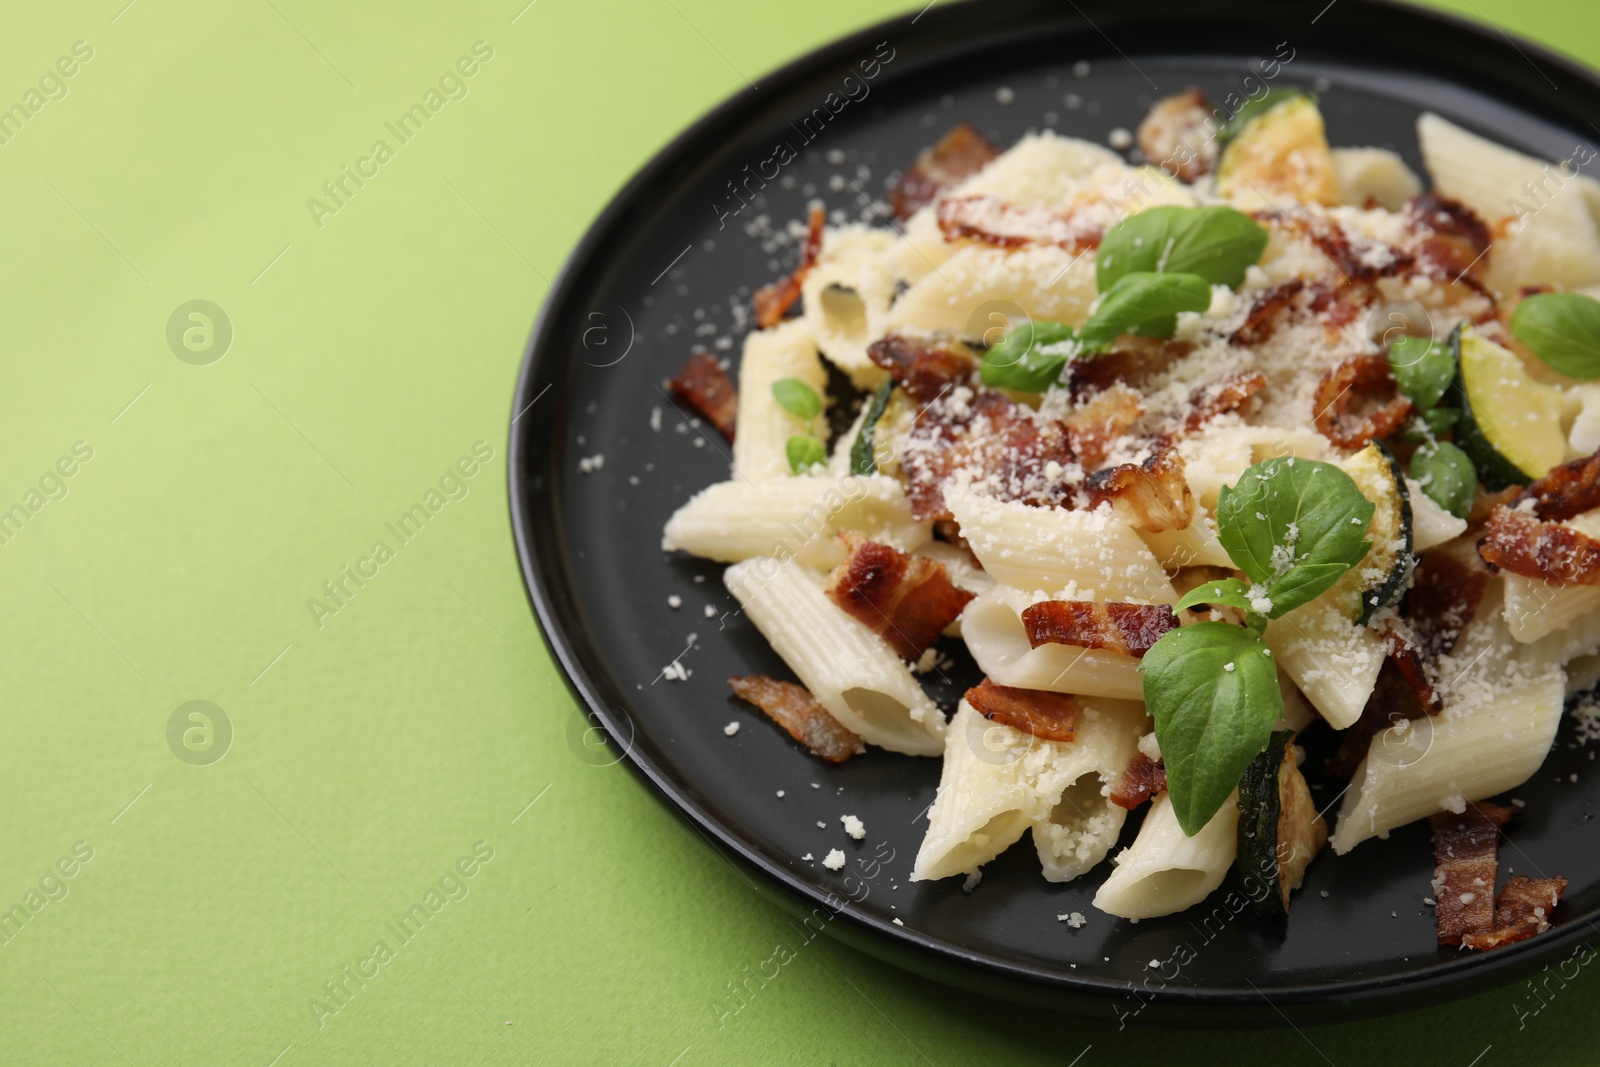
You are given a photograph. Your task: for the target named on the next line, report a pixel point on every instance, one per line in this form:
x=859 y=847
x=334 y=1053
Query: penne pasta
x=849 y=669
x=1164 y=871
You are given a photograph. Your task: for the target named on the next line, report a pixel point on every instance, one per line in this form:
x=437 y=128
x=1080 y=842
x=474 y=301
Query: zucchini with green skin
x=1280 y=155
x=1279 y=828
x=1510 y=425
x=1381 y=578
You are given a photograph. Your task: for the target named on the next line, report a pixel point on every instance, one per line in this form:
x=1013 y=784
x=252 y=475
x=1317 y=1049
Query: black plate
x=664 y=268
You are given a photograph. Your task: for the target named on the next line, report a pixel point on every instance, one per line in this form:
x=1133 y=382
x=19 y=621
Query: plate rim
x=542 y=567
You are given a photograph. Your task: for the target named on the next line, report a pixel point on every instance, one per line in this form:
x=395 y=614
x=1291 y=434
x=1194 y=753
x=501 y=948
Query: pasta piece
x=996 y=782
x=1502 y=705
x=1164 y=871
x=995 y=635
x=792 y=518
x=786 y=351
x=848 y=668
x=1196 y=545
x=1557 y=243
x=1374 y=174
x=1052 y=548
x=1042 y=281
x=846 y=295
x=1535 y=608
x=1583 y=438
x=1333 y=661
x=1431 y=525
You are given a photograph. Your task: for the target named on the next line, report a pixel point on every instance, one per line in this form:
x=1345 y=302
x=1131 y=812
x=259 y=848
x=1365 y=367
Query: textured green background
x=373 y=753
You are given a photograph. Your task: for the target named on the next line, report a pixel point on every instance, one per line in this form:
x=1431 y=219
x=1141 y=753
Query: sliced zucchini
x=1279 y=828
x=1281 y=154
x=1510 y=424
x=1380 y=578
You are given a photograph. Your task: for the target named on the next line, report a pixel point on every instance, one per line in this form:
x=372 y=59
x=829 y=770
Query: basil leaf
x=1422 y=368
x=804 y=452
x=1213 y=690
x=1563 y=329
x=1429 y=426
x=1227 y=592
x=863 y=453
x=797 y=398
x=1019 y=362
x=1218 y=243
x=1146 y=303
x=1294 y=526
x=1446 y=475
x=1253 y=109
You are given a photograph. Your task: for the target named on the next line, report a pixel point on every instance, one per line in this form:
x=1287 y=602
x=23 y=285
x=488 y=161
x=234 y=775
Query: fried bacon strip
x=1517 y=542
x=1568 y=490
x=1223 y=395
x=1142 y=779
x=1406 y=656
x=1366 y=378
x=793 y=707
x=959 y=155
x=1523 y=909
x=706 y=387
x=1449 y=239
x=1466 y=850
x=1446 y=589
x=772 y=301
x=1047 y=716
x=1179 y=135
x=998 y=223
x=992 y=437
x=926 y=369
x=1126 y=628
x=1095 y=424
x=1261 y=321
x=909 y=600
x=1153 y=495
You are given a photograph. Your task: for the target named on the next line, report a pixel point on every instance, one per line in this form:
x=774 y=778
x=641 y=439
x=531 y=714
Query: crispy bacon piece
x=1567 y=490
x=1153 y=495
x=1133 y=363
x=1522 y=910
x=1261 y=321
x=1406 y=656
x=925 y=368
x=1127 y=628
x=992 y=437
x=793 y=707
x=1096 y=423
x=1047 y=716
x=1484 y=502
x=1466 y=850
x=1225 y=394
x=1517 y=542
x=706 y=387
x=1354 y=256
x=959 y=155
x=907 y=599
x=1393 y=702
x=1365 y=378
x=772 y=301
x=988 y=220
x=1142 y=779
x=1448 y=237
x=1179 y=135
x=1445 y=591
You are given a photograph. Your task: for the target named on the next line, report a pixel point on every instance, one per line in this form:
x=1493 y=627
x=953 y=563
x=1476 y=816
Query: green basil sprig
x=1423 y=369
x=1446 y=475
x=1563 y=329
x=863 y=453
x=1218 y=243
x=797 y=398
x=1032 y=356
x=801 y=401
x=1294 y=527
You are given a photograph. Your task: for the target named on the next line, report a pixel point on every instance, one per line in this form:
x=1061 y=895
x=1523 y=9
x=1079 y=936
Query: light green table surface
x=418 y=722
